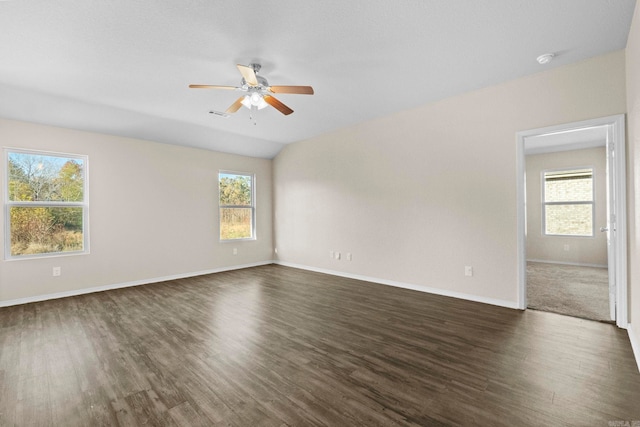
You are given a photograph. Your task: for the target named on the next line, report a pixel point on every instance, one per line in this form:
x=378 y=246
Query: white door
x=610 y=228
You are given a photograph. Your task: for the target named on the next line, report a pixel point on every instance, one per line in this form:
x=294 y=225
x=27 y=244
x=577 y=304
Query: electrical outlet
x=235 y=251
x=349 y=256
x=468 y=270
x=337 y=255
x=57 y=271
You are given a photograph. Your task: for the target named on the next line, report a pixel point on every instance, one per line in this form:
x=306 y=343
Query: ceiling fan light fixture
x=254 y=100
x=246 y=101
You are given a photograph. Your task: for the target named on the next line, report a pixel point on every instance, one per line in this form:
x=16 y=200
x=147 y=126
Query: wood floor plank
x=278 y=346
x=185 y=415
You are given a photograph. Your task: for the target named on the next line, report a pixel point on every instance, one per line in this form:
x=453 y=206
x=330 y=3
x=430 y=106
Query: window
x=46 y=206
x=237 y=206
x=568 y=206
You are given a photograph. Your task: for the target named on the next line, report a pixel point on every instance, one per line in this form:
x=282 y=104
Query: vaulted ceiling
x=123 y=67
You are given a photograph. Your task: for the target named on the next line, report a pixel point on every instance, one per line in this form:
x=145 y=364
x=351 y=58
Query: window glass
x=569 y=186
x=45 y=203
x=568 y=202
x=237 y=209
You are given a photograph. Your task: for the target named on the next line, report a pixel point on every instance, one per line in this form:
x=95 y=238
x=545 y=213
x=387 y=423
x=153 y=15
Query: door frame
x=616 y=129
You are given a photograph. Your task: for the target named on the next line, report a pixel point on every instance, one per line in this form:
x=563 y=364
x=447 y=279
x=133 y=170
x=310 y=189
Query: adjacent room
x=297 y=213
x=567 y=260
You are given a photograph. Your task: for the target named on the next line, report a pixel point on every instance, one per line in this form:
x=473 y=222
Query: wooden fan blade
x=235 y=106
x=248 y=74
x=212 y=87
x=277 y=105
x=302 y=90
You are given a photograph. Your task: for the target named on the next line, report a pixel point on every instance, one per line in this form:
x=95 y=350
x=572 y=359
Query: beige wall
x=418 y=195
x=633 y=181
x=153 y=212
x=582 y=250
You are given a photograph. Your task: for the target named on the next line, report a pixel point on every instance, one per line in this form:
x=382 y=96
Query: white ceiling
x=574 y=139
x=122 y=67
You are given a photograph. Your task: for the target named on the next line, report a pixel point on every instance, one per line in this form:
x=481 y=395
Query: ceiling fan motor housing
x=262 y=82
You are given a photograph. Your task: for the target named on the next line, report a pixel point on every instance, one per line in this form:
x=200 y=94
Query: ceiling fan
x=258 y=92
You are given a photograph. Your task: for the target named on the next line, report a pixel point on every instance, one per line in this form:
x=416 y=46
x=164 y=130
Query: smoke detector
x=545 y=59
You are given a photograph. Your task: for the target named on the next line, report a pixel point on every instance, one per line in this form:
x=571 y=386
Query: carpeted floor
x=567 y=289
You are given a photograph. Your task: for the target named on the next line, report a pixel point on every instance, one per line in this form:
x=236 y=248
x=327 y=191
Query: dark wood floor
x=277 y=346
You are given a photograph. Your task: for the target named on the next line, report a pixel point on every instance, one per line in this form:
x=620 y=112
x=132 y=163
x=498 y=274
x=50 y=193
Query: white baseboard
x=421 y=288
x=635 y=344
x=578 y=264
x=83 y=291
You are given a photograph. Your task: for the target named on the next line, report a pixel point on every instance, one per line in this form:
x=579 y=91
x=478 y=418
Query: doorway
x=566 y=200
x=606 y=232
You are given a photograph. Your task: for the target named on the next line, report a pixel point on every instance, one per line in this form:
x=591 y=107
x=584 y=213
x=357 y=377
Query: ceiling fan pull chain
x=253 y=114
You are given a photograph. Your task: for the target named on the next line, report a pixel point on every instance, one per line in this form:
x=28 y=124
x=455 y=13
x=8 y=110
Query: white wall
x=153 y=212
x=582 y=250
x=418 y=195
x=633 y=181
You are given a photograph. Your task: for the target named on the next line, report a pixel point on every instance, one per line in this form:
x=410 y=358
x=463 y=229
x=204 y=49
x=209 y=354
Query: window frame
x=252 y=176
x=544 y=204
x=8 y=204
